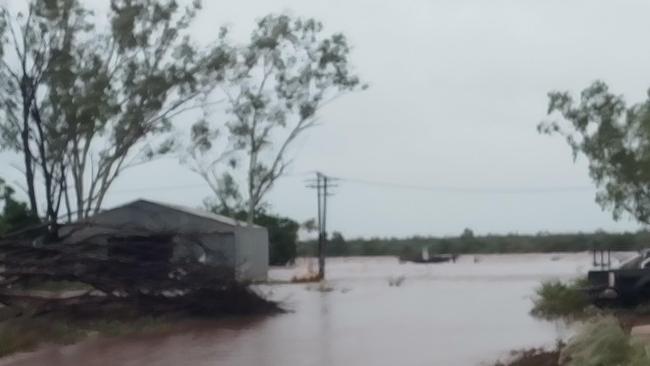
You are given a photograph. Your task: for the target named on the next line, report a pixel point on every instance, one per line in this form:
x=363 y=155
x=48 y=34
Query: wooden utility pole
x=321 y=228
x=322 y=186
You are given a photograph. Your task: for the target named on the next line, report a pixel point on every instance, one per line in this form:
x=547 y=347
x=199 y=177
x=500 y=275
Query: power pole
x=321 y=227
x=322 y=185
x=323 y=235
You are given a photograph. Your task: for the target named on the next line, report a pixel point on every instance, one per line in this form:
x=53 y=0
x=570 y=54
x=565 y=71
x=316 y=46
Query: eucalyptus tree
x=125 y=87
x=615 y=139
x=29 y=44
x=274 y=87
x=109 y=93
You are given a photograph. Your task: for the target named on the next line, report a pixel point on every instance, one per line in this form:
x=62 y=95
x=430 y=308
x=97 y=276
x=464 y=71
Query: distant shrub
x=603 y=342
x=554 y=300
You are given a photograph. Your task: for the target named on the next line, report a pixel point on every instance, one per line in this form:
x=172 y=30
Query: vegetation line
x=468 y=243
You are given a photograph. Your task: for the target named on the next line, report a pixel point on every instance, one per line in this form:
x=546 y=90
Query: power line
x=183 y=186
x=401 y=186
x=469 y=190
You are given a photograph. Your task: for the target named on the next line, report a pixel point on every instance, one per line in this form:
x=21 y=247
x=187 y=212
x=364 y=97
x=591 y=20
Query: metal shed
x=232 y=243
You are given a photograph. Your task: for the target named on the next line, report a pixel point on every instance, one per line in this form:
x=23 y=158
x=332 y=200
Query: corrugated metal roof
x=194 y=212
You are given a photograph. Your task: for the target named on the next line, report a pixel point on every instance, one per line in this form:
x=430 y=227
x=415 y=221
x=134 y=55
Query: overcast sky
x=457 y=88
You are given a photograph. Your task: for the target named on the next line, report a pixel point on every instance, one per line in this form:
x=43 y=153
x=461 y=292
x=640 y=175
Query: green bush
x=603 y=342
x=283 y=235
x=555 y=300
x=15 y=215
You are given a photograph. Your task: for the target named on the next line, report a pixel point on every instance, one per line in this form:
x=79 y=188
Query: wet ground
x=446 y=314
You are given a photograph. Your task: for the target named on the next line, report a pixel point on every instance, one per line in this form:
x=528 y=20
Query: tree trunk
x=251 y=212
x=252 y=166
x=27 y=153
x=66 y=197
x=52 y=212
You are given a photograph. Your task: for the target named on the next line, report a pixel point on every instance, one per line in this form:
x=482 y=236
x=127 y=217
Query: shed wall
x=252 y=253
x=244 y=248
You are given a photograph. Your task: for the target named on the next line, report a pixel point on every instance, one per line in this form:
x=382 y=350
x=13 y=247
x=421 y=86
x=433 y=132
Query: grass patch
x=24 y=334
x=555 y=300
x=602 y=342
x=558 y=300
x=21 y=335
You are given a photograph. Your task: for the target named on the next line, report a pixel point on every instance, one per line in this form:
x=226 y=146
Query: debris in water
x=396 y=281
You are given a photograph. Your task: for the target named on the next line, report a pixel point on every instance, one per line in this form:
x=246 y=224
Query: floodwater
x=465 y=313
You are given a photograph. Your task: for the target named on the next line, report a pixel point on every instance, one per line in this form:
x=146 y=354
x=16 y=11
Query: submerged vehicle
x=629 y=284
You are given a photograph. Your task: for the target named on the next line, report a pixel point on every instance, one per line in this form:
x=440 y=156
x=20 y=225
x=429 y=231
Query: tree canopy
x=615 y=139
x=274 y=88
x=82 y=103
x=83 y=100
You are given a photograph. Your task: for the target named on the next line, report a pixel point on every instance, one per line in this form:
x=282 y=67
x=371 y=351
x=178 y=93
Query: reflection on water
x=447 y=314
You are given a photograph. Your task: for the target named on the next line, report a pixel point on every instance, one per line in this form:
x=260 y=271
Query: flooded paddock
x=464 y=313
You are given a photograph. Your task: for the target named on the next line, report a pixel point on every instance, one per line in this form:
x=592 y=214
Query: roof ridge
x=195 y=212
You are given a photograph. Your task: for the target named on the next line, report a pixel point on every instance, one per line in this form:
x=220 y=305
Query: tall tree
x=615 y=139
x=116 y=94
x=29 y=43
x=107 y=96
x=274 y=89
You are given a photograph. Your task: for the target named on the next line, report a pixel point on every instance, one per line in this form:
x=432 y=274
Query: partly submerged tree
x=615 y=139
x=104 y=93
x=274 y=89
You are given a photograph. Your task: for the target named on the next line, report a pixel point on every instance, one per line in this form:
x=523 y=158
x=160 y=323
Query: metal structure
x=234 y=244
x=602 y=258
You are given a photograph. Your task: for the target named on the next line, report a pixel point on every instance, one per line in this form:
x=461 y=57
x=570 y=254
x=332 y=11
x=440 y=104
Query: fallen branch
x=142 y=272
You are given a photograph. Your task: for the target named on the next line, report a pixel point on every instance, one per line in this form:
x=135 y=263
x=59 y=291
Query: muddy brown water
x=464 y=313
